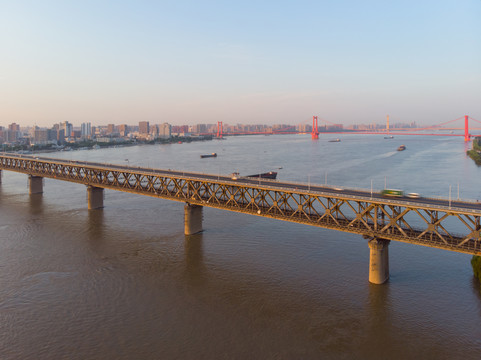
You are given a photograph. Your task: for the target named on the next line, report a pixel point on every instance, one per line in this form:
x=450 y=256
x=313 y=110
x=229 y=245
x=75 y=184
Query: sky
x=250 y=62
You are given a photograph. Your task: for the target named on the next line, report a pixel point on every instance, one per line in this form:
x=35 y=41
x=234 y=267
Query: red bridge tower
x=315 y=128
x=467 y=137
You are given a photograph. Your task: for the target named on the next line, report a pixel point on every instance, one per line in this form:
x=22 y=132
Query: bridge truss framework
x=450 y=228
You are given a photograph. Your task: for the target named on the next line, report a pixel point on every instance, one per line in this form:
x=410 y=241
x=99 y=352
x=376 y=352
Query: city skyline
x=60 y=133
x=251 y=63
x=146 y=124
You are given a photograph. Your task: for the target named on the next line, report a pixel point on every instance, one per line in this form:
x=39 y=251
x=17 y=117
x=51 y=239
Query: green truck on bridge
x=392 y=192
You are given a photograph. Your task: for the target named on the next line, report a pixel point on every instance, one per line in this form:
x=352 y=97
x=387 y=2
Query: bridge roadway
x=451 y=225
x=294 y=186
x=442 y=203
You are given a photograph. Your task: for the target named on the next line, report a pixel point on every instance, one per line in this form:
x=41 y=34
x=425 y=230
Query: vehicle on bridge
x=272 y=175
x=267 y=175
x=392 y=193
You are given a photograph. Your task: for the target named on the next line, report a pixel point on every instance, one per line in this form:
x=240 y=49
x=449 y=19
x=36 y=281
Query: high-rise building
x=199 y=128
x=10 y=136
x=14 y=127
x=154 y=131
x=110 y=129
x=52 y=135
x=86 y=130
x=165 y=131
x=144 y=127
x=305 y=128
x=40 y=136
x=13 y=133
x=67 y=128
x=123 y=130
x=60 y=136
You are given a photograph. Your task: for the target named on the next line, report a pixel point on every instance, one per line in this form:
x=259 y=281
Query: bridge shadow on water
x=379 y=318
x=194 y=259
x=36 y=204
x=95 y=226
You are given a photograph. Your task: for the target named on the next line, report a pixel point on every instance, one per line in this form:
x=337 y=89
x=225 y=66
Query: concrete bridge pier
x=192 y=219
x=378 y=261
x=35 y=184
x=95 y=197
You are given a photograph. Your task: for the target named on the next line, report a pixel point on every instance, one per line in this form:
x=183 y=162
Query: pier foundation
x=192 y=219
x=35 y=184
x=95 y=197
x=378 y=261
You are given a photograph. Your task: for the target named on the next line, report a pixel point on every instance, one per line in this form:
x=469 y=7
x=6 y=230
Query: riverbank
x=476 y=264
x=475 y=152
x=93 y=145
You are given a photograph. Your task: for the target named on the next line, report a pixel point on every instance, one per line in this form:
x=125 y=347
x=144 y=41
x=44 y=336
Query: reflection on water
x=467 y=146
x=477 y=289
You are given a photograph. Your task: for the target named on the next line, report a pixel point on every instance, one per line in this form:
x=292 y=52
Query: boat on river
x=335 y=140
x=401 y=148
x=208 y=155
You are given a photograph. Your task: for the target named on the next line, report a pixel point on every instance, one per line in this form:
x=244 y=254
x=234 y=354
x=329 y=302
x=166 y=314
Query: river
x=126 y=283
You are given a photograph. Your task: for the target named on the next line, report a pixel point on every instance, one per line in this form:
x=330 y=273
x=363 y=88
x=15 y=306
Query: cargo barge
x=208 y=155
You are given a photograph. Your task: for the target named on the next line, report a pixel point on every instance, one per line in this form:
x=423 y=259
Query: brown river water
x=125 y=282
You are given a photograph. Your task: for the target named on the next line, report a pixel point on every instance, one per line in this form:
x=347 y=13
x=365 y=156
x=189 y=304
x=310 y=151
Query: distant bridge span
x=438 y=223
x=316 y=130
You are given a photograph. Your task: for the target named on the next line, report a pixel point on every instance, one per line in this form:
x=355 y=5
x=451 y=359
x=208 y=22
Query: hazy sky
x=187 y=62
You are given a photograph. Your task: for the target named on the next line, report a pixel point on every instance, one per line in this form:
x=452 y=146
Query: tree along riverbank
x=475 y=152
x=91 y=144
x=476 y=264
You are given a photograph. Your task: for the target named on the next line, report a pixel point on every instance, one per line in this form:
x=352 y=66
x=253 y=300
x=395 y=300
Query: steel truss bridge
x=438 y=223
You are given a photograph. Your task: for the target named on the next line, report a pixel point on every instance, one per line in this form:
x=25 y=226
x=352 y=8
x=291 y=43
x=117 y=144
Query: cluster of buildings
x=65 y=132
x=382 y=127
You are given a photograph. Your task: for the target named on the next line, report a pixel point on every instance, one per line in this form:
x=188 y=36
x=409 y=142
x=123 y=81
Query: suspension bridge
x=433 y=130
